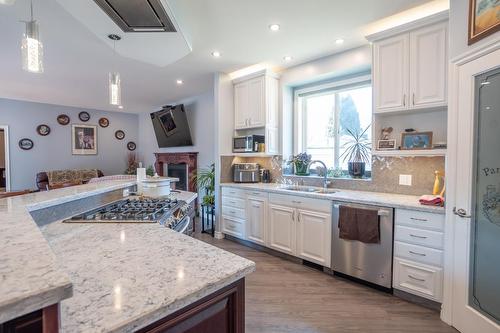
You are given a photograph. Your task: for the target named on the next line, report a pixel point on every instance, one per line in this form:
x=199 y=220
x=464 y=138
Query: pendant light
x=31 y=47
x=115 y=90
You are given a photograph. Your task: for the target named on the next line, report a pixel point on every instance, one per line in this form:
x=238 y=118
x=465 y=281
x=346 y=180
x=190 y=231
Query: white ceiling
x=77 y=58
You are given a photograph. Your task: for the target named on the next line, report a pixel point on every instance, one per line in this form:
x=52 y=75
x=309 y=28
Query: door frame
x=454 y=129
x=5 y=129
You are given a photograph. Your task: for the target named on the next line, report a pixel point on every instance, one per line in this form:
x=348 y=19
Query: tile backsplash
x=385 y=174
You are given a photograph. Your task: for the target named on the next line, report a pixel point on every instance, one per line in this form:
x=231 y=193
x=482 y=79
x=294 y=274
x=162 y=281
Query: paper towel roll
x=141 y=174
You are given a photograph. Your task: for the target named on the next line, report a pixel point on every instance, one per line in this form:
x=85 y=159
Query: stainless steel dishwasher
x=368 y=262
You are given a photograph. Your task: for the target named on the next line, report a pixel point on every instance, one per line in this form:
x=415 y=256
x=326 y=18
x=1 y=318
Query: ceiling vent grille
x=138 y=15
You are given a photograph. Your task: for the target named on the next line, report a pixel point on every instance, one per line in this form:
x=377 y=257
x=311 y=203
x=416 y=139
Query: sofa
x=47 y=180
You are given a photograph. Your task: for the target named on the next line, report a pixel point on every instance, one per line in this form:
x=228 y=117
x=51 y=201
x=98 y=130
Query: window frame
x=300 y=122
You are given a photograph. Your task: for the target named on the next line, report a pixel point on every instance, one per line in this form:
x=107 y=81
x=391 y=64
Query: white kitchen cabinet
x=241 y=106
x=256 y=108
x=281 y=229
x=256 y=219
x=233 y=226
x=314 y=236
x=410 y=69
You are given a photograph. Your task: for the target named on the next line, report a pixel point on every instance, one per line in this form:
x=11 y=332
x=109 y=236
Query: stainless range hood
x=138 y=15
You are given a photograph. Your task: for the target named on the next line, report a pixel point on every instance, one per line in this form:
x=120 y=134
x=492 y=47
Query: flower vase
x=301 y=169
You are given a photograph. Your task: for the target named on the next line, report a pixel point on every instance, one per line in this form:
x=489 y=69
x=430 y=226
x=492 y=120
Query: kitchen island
x=123 y=276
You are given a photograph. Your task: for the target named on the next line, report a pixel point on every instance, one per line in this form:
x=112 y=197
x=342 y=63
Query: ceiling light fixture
x=216 y=54
x=274 y=27
x=31 y=47
x=287 y=58
x=179 y=82
x=115 y=89
x=339 y=41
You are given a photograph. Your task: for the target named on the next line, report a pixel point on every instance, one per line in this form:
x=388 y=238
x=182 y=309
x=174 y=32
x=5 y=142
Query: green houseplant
x=301 y=163
x=205 y=179
x=357 y=152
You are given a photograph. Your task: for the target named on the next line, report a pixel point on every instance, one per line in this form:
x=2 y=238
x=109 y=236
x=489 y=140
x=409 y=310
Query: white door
x=281 y=236
x=428 y=66
x=475 y=155
x=390 y=74
x=314 y=237
x=257 y=102
x=256 y=220
x=241 y=105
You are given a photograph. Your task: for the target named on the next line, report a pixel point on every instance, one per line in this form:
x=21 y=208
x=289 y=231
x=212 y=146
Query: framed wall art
x=416 y=140
x=84 y=139
x=484 y=19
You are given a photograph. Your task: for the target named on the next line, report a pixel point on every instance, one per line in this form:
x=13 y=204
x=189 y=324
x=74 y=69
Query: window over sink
x=326 y=113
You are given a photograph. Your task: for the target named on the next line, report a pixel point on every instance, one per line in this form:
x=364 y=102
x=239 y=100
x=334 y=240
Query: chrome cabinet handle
x=293 y=216
x=256 y=193
x=256 y=206
x=418 y=254
x=232 y=212
x=417 y=219
x=296 y=202
x=461 y=212
x=414 y=278
x=417 y=236
x=413 y=98
x=404 y=99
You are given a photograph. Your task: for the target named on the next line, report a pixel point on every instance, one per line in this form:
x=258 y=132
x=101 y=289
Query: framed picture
x=84 y=116
x=131 y=146
x=120 y=135
x=416 y=140
x=167 y=121
x=63 y=119
x=103 y=122
x=26 y=144
x=43 y=130
x=484 y=19
x=388 y=144
x=84 y=139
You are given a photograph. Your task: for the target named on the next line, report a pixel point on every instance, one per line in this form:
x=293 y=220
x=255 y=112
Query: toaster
x=246 y=173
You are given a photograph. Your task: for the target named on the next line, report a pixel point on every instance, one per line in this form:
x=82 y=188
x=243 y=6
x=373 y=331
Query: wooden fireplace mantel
x=189 y=158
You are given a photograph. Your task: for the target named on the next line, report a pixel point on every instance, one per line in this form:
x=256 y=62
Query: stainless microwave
x=247 y=143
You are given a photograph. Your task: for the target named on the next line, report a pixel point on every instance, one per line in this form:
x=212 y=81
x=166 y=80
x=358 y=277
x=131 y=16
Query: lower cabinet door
x=419 y=279
x=256 y=220
x=233 y=226
x=314 y=237
x=281 y=229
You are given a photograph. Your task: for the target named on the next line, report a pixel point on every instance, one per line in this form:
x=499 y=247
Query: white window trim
x=337 y=86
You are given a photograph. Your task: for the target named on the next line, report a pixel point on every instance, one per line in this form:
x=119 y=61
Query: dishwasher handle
x=381 y=212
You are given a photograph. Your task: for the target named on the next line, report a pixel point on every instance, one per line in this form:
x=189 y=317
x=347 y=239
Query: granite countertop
x=121 y=276
x=365 y=197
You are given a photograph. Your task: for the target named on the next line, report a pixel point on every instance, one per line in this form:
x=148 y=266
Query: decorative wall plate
x=120 y=135
x=131 y=146
x=103 y=122
x=43 y=130
x=84 y=116
x=63 y=119
x=26 y=144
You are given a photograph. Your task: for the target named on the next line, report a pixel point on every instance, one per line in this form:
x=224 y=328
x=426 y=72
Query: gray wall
x=459 y=20
x=53 y=152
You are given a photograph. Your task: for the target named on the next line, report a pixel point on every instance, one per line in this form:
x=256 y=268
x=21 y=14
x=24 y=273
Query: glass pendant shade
x=115 y=91
x=32 y=49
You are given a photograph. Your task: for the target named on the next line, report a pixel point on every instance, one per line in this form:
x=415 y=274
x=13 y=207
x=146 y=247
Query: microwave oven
x=247 y=143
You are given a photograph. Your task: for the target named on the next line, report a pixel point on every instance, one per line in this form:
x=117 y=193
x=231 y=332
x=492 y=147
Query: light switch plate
x=405 y=180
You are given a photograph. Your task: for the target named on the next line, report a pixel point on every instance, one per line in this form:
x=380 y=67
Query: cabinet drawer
x=233 y=202
x=299 y=202
x=422 y=280
x=233 y=192
x=257 y=194
x=418 y=219
x=233 y=212
x=233 y=227
x=422 y=237
x=418 y=253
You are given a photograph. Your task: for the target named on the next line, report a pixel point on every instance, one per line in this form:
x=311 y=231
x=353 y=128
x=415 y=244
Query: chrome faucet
x=325 y=180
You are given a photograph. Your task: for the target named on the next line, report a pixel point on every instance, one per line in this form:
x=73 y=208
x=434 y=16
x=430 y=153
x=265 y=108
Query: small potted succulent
x=301 y=163
x=357 y=152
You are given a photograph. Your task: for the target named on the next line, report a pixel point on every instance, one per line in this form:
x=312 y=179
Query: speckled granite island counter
x=124 y=277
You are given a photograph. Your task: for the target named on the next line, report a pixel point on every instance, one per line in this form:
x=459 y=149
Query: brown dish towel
x=359 y=224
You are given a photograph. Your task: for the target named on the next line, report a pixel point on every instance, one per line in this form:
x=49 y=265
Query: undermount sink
x=309 y=189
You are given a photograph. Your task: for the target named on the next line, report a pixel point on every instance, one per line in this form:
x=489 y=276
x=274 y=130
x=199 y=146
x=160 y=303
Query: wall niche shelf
x=410 y=153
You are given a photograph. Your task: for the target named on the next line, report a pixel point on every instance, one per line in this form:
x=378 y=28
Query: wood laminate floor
x=282 y=296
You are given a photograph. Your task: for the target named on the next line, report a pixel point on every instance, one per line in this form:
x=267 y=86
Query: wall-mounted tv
x=171 y=127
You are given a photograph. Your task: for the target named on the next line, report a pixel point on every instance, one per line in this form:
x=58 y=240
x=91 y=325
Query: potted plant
x=301 y=163
x=357 y=152
x=205 y=179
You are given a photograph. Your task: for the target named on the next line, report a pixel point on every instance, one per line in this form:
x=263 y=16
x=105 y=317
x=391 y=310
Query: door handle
x=461 y=213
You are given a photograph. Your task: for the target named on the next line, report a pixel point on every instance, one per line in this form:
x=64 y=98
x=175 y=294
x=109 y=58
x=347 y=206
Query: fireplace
x=178 y=165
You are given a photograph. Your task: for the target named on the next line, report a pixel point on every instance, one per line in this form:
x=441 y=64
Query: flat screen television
x=171 y=127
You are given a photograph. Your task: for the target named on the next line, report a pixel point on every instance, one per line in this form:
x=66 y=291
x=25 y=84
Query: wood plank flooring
x=282 y=296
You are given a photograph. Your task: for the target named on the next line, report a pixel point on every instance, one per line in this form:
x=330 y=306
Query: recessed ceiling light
x=339 y=41
x=179 y=82
x=274 y=27
x=287 y=58
x=216 y=54
x=120 y=106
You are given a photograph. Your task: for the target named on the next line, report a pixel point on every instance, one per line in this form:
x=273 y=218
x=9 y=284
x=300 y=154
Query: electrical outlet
x=405 y=180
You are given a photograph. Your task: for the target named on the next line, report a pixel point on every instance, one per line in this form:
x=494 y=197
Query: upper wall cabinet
x=256 y=101
x=410 y=69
